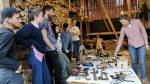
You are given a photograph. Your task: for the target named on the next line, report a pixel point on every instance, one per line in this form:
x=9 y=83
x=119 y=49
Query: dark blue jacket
x=30 y=35
x=7 y=50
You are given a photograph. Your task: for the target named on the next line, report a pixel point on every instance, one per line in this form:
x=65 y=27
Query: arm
x=23 y=37
x=143 y=31
x=45 y=37
x=77 y=32
x=6 y=42
x=121 y=37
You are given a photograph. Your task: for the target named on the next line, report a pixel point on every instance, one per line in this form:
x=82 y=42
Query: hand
x=147 y=47
x=67 y=51
x=19 y=70
x=115 y=54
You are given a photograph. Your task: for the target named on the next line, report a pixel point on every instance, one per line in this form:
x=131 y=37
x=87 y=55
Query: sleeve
x=143 y=31
x=6 y=42
x=121 y=37
x=23 y=37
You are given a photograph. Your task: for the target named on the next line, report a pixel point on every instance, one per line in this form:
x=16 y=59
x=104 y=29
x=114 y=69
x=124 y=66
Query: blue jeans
x=40 y=72
x=138 y=56
x=9 y=77
x=76 y=51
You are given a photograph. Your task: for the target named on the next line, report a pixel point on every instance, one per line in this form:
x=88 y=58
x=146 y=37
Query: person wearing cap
x=10 y=20
x=137 y=43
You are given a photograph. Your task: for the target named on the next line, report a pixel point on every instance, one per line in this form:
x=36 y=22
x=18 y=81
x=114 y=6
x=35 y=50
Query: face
x=124 y=22
x=57 y=29
x=40 y=17
x=15 y=21
x=51 y=12
x=74 y=22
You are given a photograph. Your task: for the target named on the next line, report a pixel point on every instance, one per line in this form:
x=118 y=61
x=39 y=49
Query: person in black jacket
x=10 y=20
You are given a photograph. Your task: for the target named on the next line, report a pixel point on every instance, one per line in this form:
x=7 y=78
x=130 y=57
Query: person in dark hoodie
x=10 y=20
x=31 y=37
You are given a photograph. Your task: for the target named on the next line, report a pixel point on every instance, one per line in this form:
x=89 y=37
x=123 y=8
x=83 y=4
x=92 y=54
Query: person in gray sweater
x=10 y=20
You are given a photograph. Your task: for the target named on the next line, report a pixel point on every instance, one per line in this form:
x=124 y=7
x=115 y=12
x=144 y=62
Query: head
x=35 y=14
x=73 y=22
x=11 y=16
x=124 y=20
x=65 y=26
x=48 y=10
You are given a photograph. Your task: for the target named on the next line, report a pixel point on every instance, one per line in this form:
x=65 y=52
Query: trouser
x=40 y=72
x=138 y=56
x=54 y=63
x=8 y=76
x=76 y=51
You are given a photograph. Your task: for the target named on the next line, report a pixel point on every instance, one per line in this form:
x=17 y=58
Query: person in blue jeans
x=10 y=20
x=75 y=33
x=67 y=44
x=31 y=37
x=137 y=43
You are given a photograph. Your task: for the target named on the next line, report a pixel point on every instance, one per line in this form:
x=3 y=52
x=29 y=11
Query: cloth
x=46 y=25
x=8 y=57
x=135 y=33
x=74 y=29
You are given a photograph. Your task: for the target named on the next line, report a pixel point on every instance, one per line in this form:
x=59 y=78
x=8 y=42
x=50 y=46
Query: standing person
x=30 y=36
x=67 y=45
x=75 y=32
x=10 y=20
x=137 y=43
x=51 y=53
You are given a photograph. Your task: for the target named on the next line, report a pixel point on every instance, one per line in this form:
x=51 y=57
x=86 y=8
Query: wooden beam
x=129 y=7
x=108 y=18
x=103 y=33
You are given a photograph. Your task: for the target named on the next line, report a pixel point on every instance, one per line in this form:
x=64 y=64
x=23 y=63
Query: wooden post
x=81 y=31
x=108 y=18
x=129 y=7
x=69 y=8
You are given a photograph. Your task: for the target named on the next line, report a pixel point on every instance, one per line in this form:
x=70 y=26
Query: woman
x=30 y=36
x=137 y=42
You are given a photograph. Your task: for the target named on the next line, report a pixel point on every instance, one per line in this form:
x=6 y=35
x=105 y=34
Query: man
x=10 y=20
x=51 y=53
x=136 y=34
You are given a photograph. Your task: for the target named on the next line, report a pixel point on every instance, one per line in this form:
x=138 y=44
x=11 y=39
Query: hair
x=35 y=11
x=126 y=17
x=65 y=25
x=47 y=8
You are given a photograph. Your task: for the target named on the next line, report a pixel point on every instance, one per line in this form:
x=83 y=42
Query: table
x=130 y=78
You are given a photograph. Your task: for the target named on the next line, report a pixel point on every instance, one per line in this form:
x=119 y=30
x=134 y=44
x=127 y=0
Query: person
x=137 y=43
x=67 y=44
x=65 y=63
x=51 y=54
x=10 y=20
x=30 y=36
x=75 y=32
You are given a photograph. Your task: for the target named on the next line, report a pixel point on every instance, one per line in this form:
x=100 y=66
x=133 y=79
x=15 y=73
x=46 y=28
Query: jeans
x=40 y=72
x=76 y=51
x=138 y=56
x=10 y=77
x=53 y=62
